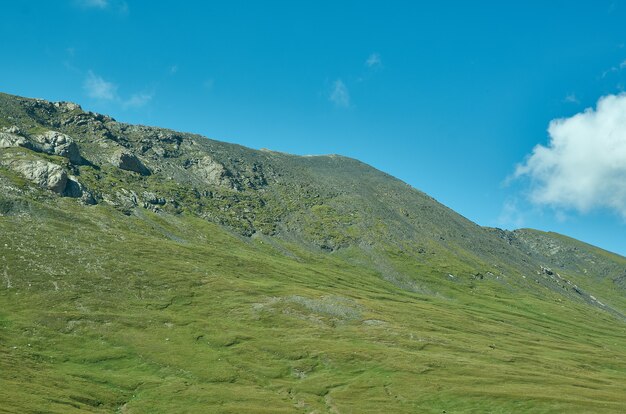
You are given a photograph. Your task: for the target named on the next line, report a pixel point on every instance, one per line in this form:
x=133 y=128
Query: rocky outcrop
x=212 y=172
x=14 y=129
x=9 y=140
x=75 y=189
x=45 y=174
x=124 y=200
x=56 y=143
x=50 y=142
x=152 y=202
x=129 y=162
x=152 y=198
x=66 y=106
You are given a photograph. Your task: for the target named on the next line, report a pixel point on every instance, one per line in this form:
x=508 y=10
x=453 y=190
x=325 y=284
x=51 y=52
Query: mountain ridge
x=327 y=202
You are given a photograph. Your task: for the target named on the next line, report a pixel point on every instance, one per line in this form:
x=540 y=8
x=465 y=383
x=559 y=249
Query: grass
x=157 y=313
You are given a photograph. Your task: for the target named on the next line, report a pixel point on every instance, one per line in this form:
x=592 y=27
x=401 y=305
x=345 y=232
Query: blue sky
x=450 y=97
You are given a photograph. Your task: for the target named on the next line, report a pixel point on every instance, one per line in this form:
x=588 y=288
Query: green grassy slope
x=266 y=282
x=102 y=312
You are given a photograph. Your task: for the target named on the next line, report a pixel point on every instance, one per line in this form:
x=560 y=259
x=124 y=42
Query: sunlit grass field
x=148 y=313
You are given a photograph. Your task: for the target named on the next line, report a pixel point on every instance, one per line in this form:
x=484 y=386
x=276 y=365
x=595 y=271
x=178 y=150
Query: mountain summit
x=149 y=270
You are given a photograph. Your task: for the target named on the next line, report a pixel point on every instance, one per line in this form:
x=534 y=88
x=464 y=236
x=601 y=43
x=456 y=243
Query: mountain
x=149 y=270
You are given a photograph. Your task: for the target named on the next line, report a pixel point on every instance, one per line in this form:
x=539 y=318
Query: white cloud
x=373 y=61
x=96 y=4
x=609 y=71
x=118 y=6
x=583 y=167
x=339 y=94
x=137 y=100
x=96 y=87
x=614 y=69
x=571 y=98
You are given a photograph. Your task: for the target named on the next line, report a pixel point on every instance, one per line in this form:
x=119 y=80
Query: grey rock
x=45 y=174
x=56 y=143
x=88 y=199
x=10 y=140
x=213 y=172
x=66 y=106
x=158 y=151
x=152 y=198
x=126 y=200
x=14 y=129
x=129 y=162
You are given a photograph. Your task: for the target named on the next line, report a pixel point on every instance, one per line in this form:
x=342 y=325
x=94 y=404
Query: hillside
x=149 y=270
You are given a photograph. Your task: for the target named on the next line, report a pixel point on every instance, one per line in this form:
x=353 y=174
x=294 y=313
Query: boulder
x=10 y=140
x=129 y=162
x=43 y=173
x=56 y=143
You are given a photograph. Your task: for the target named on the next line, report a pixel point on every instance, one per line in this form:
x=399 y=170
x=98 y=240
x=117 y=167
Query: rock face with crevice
x=127 y=161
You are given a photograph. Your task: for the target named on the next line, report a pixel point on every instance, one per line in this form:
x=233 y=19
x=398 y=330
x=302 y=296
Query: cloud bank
x=583 y=167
